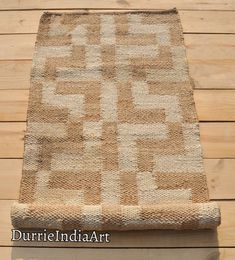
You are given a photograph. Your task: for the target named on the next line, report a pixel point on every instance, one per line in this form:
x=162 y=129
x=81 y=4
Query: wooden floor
x=209 y=31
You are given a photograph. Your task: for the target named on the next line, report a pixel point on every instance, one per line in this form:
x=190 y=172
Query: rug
x=112 y=139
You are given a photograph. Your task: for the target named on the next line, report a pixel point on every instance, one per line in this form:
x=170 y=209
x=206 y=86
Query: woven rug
x=112 y=139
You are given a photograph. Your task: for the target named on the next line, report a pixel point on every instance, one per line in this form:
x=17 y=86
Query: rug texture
x=112 y=139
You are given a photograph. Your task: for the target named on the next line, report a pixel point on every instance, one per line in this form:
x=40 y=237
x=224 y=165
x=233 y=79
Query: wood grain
x=14 y=47
x=12 y=140
x=13 y=105
x=218 y=140
x=215 y=105
x=15 y=74
x=225 y=235
x=207 y=21
x=10 y=176
x=220 y=177
x=118 y=4
x=192 y=22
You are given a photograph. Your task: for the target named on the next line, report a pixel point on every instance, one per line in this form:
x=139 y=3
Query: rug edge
x=182 y=216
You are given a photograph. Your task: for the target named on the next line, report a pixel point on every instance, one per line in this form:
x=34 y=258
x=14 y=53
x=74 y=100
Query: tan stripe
x=129 y=191
x=80 y=181
x=108 y=68
x=109 y=147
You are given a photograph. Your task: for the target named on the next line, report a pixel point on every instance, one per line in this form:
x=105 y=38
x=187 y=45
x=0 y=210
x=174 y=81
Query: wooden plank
x=104 y=4
x=220 y=175
x=211 y=105
x=10 y=176
x=221 y=178
x=224 y=237
x=19 y=21
x=17 y=46
x=9 y=253
x=13 y=105
x=210 y=47
x=11 y=140
x=207 y=21
x=218 y=139
x=215 y=105
x=213 y=74
x=15 y=74
x=192 y=22
x=211 y=60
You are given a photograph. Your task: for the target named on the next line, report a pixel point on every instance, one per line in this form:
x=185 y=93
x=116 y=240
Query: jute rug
x=112 y=139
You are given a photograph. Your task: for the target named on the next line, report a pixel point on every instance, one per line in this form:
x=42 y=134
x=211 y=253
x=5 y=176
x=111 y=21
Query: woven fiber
x=112 y=139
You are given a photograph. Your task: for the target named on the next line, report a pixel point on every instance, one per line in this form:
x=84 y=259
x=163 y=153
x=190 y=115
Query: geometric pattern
x=112 y=139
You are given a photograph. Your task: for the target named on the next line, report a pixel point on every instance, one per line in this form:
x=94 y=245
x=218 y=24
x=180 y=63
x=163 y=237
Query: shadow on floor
x=163 y=244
